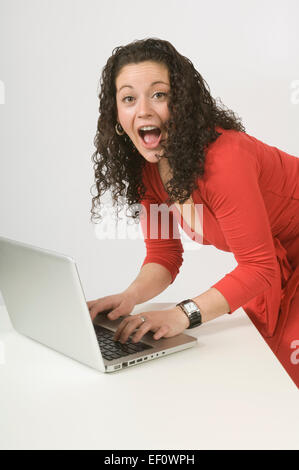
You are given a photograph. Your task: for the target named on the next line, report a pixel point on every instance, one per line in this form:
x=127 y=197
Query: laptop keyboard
x=111 y=349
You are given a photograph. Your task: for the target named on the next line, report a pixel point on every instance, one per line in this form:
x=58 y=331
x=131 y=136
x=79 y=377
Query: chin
x=151 y=157
x=151 y=153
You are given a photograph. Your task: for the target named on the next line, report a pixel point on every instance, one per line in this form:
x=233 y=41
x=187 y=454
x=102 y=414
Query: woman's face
x=142 y=100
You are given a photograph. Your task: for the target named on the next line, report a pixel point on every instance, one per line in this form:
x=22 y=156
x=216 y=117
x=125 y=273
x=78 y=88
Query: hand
x=120 y=305
x=164 y=323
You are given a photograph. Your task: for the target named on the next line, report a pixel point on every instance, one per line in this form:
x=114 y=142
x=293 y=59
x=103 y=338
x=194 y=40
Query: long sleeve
x=234 y=196
x=161 y=236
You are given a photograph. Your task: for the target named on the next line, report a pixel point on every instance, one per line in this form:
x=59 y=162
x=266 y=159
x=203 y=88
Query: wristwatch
x=192 y=311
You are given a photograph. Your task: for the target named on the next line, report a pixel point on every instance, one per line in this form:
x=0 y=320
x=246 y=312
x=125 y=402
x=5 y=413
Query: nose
x=144 y=107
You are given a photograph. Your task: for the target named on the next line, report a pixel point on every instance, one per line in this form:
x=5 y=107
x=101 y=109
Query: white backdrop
x=51 y=56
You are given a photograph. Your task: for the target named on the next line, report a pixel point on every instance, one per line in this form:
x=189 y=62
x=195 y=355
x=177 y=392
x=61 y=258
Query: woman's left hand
x=164 y=323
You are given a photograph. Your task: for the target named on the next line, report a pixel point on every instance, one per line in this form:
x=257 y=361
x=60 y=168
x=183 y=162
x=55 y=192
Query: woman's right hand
x=120 y=305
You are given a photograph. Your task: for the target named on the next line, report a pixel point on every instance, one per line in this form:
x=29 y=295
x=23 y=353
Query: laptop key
x=114 y=349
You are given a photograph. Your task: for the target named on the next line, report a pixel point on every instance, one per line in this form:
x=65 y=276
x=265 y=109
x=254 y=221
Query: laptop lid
x=45 y=300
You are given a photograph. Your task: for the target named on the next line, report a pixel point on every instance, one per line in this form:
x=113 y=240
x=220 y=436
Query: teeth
x=148 y=128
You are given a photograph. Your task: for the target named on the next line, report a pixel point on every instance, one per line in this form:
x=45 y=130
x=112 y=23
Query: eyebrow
x=152 y=84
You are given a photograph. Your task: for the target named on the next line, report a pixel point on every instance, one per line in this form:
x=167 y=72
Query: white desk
x=228 y=392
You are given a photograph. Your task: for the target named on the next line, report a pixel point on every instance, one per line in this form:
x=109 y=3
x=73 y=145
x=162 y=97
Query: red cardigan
x=250 y=197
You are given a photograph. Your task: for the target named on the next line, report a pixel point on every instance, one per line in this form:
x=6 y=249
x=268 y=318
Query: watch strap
x=192 y=311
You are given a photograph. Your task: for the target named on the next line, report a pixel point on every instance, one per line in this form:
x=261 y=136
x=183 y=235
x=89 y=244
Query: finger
x=94 y=310
x=142 y=330
x=161 y=332
x=129 y=325
x=90 y=303
x=120 y=328
x=125 y=328
x=120 y=311
x=100 y=306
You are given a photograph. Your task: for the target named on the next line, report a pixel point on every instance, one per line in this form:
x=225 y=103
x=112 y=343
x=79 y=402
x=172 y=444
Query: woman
x=162 y=138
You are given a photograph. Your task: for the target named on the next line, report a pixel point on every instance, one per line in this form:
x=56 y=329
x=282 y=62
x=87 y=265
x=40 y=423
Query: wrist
x=184 y=317
x=192 y=312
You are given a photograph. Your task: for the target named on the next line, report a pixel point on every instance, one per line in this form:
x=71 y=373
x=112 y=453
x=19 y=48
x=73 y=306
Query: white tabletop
x=227 y=392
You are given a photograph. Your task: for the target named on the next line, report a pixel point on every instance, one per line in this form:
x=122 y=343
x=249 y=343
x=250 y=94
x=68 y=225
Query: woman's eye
x=127 y=97
x=160 y=93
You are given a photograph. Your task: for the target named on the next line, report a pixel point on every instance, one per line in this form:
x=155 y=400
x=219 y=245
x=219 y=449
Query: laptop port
x=125 y=364
x=139 y=360
x=131 y=362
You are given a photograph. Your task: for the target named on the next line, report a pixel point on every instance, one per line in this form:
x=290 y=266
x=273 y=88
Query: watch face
x=190 y=307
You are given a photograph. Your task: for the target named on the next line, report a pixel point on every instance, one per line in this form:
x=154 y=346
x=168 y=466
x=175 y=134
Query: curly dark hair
x=194 y=113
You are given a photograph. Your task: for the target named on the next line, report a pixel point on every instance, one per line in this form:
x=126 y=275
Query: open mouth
x=150 y=138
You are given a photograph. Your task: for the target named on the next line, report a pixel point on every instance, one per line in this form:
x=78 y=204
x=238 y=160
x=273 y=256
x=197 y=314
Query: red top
x=250 y=197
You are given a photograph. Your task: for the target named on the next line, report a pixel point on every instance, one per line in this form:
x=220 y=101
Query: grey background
x=51 y=56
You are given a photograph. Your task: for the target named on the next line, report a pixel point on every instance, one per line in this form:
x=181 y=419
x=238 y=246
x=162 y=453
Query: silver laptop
x=45 y=301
